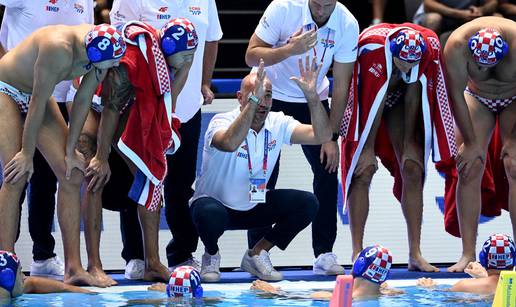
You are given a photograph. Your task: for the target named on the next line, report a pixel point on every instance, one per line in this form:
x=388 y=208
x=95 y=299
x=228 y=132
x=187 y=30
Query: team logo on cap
x=498 y=252
x=185 y=281
x=488 y=47
x=408 y=45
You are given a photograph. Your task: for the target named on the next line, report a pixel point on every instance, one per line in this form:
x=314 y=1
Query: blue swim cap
x=373 y=263
x=498 y=252
x=408 y=45
x=9 y=264
x=488 y=47
x=104 y=42
x=185 y=281
x=178 y=35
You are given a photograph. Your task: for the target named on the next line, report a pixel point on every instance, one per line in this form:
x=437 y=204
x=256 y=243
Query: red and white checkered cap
x=378 y=270
x=408 y=45
x=184 y=282
x=499 y=252
x=114 y=44
x=487 y=46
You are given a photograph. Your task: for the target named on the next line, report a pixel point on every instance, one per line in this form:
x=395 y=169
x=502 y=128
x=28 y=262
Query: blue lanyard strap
x=265 y=155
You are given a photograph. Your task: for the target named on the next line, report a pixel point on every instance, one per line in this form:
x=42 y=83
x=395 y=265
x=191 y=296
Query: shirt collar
x=332 y=22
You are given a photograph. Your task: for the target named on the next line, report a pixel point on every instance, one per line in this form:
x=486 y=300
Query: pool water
x=137 y=296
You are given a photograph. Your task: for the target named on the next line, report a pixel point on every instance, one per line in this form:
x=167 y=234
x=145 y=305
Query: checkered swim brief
x=393 y=98
x=494 y=105
x=22 y=99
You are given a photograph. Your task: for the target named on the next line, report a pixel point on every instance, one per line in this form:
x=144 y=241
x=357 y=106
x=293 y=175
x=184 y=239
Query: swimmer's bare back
x=59 y=48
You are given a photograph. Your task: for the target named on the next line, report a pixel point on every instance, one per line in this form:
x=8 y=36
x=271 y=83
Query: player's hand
x=75 y=160
x=300 y=42
x=100 y=173
x=207 y=94
x=264 y=286
x=330 y=153
x=308 y=73
x=20 y=165
x=426 y=282
x=161 y=287
x=468 y=154
x=259 y=86
x=475 y=270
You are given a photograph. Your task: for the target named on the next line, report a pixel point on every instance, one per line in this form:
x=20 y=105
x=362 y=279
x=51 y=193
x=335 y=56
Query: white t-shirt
x=337 y=41
x=202 y=13
x=22 y=17
x=225 y=175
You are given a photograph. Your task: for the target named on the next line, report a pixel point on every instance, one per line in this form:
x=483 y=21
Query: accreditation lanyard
x=265 y=155
x=326 y=43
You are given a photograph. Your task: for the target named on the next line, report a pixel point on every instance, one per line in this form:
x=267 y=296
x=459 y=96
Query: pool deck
x=305 y=275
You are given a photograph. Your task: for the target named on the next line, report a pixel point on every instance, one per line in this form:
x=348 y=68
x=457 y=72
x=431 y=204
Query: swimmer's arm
x=475 y=285
x=81 y=107
x=342 y=73
x=180 y=77
x=46 y=69
x=40 y=285
x=411 y=108
x=107 y=127
x=456 y=67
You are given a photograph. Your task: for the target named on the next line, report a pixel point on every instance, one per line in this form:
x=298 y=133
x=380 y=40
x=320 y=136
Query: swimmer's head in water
x=408 y=46
x=488 y=47
x=10 y=279
x=498 y=252
x=373 y=264
x=185 y=282
x=104 y=42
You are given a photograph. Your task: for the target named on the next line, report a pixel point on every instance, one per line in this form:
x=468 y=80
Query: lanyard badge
x=258 y=183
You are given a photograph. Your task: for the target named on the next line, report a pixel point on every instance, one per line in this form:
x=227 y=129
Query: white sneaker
x=134 y=269
x=50 y=267
x=190 y=262
x=260 y=266
x=210 y=270
x=326 y=264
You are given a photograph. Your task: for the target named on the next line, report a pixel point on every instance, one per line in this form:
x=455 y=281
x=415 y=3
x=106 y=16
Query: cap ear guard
x=359 y=266
x=94 y=54
x=482 y=258
x=198 y=292
x=168 y=45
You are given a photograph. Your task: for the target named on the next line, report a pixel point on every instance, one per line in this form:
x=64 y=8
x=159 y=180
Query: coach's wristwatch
x=335 y=137
x=253 y=99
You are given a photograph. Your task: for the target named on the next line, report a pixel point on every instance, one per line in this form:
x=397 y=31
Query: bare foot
x=82 y=278
x=418 y=263
x=156 y=273
x=461 y=264
x=102 y=277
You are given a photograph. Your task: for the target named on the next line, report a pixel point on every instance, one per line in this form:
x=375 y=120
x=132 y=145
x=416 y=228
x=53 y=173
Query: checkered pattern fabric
x=393 y=98
x=377 y=271
x=22 y=99
x=348 y=113
x=189 y=30
x=409 y=45
x=114 y=38
x=446 y=113
x=183 y=282
x=494 y=105
x=500 y=251
x=487 y=46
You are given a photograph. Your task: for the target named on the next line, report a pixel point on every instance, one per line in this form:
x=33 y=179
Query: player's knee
x=74 y=181
x=366 y=176
x=433 y=21
x=510 y=167
x=87 y=145
x=412 y=171
x=474 y=173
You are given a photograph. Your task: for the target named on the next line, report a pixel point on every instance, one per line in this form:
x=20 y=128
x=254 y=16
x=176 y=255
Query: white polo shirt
x=22 y=17
x=337 y=41
x=225 y=175
x=202 y=13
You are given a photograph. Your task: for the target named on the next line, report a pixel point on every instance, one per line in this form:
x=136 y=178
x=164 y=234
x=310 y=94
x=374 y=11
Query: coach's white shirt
x=202 y=13
x=22 y=17
x=337 y=40
x=225 y=175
